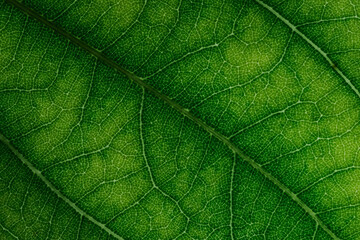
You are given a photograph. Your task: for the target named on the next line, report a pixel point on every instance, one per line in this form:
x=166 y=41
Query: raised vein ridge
x=316 y=47
x=169 y=101
x=54 y=189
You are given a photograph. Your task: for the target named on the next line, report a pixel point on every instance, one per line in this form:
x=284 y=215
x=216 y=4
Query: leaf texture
x=179 y=119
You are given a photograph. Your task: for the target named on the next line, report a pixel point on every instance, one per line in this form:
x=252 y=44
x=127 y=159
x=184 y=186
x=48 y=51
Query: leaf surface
x=179 y=119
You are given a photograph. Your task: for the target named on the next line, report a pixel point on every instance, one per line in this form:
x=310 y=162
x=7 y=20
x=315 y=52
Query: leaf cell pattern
x=179 y=119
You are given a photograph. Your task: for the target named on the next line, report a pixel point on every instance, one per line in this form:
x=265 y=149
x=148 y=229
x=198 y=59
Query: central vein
x=178 y=107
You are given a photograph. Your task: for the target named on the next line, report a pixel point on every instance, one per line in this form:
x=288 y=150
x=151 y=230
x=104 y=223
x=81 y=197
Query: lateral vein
x=54 y=189
x=316 y=47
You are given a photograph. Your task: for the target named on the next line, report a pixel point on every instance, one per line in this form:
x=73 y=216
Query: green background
x=258 y=136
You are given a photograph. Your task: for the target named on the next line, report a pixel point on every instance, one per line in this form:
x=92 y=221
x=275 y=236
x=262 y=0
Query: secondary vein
x=54 y=189
x=316 y=47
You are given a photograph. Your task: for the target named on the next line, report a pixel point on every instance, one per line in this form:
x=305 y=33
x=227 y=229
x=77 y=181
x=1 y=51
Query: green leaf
x=179 y=119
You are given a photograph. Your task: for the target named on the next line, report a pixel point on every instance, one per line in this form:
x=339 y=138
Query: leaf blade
x=212 y=129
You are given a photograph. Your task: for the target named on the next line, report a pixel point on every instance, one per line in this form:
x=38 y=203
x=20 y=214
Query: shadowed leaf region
x=179 y=119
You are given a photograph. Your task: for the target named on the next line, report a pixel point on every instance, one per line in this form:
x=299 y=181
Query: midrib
x=166 y=99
